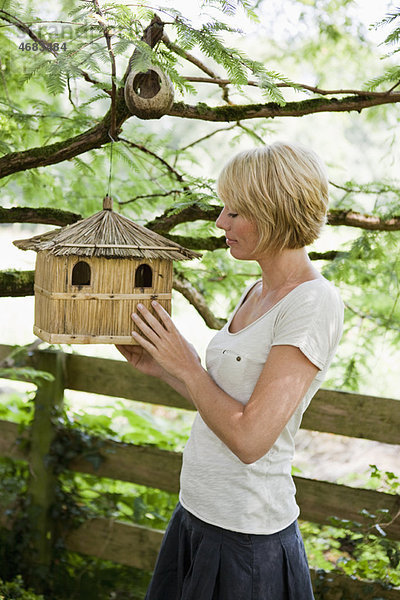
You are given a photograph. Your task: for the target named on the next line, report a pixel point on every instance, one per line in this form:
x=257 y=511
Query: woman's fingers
x=146 y=329
x=145 y=344
x=150 y=319
x=164 y=316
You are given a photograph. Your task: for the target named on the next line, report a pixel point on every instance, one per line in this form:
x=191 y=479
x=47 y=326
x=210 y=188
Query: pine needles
x=392 y=74
x=83 y=50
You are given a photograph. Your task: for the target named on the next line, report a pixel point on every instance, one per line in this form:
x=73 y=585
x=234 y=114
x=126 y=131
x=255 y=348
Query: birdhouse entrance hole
x=147 y=85
x=81 y=274
x=144 y=276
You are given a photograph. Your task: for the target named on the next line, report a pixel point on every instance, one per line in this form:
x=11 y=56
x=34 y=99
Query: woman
x=234 y=534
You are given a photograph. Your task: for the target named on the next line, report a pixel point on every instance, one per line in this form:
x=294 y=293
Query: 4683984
x=36 y=47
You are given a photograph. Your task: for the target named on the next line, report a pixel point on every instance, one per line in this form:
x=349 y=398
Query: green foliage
x=16 y=590
x=16 y=407
x=13 y=543
x=14 y=367
x=384 y=480
x=368 y=275
x=13 y=479
x=322 y=35
x=83 y=577
x=87 y=496
x=361 y=551
x=130 y=422
x=78 y=498
x=394 y=36
x=392 y=73
x=25 y=374
x=85 y=48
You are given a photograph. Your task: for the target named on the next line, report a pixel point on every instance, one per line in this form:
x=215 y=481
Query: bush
x=15 y=590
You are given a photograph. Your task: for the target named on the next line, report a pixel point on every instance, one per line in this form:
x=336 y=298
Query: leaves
x=391 y=75
x=25 y=374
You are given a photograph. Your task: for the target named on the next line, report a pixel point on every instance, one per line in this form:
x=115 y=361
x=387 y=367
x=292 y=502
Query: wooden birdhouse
x=90 y=276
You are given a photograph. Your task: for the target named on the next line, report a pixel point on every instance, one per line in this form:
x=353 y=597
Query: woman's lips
x=230 y=242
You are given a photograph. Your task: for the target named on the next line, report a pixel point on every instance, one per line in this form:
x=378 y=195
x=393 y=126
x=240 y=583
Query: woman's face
x=241 y=234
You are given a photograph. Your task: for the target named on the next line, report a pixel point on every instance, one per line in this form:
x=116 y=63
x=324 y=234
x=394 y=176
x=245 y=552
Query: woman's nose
x=221 y=222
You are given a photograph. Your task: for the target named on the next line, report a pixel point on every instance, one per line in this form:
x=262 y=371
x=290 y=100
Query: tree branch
x=216 y=243
x=206 y=137
x=182 y=285
x=203 y=112
x=159 y=195
x=363 y=190
x=328 y=255
x=45 y=216
x=97 y=136
x=51 y=154
x=16 y=283
x=381 y=322
x=167 y=221
x=151 y=36
x=369 y=222
x=142 y=148
x=189 y=57
x=316 y=90
x=27 y=30
x=198 y=243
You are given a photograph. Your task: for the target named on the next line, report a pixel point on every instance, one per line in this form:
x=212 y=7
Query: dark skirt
x=198 y=561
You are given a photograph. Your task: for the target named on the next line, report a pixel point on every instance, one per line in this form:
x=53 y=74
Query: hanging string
x=111 y=166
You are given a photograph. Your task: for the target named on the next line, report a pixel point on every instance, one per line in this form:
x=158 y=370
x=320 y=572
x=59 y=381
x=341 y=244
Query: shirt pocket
x=235 y=372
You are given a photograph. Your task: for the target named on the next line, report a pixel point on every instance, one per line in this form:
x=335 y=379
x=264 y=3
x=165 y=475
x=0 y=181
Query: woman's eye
x=233 y=215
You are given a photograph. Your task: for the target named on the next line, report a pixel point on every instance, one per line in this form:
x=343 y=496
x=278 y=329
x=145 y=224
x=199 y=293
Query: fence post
x=42 y=482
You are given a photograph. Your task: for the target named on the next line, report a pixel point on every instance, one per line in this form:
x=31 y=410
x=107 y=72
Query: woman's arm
x=249 y=431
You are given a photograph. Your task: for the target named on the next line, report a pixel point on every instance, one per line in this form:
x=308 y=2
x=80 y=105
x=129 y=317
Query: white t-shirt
x=216 y=486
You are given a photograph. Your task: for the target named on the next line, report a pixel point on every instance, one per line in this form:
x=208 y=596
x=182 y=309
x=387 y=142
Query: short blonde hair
x=282 y=188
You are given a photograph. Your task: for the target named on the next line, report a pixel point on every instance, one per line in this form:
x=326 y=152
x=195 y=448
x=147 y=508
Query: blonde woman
x=234 y=533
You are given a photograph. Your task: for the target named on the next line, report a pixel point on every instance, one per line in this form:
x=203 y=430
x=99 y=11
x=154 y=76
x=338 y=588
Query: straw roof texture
x=107 y=234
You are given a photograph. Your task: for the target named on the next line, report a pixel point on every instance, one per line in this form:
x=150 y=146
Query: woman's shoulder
x=319 y=285
x=318 y=292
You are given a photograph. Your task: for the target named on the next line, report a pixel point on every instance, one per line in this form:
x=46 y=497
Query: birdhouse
x=149 y=95
x=90 y=276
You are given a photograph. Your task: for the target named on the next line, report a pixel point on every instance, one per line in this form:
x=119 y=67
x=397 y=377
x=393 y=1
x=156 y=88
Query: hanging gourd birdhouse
x=150 y=94
x=90 y=276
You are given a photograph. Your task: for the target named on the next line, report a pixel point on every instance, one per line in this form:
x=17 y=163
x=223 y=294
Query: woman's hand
x=162 y=342
x=141 y=360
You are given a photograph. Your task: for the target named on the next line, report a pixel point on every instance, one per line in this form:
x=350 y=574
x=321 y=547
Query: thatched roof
x=106 y=234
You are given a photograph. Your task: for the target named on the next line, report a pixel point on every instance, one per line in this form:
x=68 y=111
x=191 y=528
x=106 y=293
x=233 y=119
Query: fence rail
x=330 y=411
x=156 y=468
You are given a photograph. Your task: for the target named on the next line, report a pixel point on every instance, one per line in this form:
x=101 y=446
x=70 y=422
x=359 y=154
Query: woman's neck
x=286 y=269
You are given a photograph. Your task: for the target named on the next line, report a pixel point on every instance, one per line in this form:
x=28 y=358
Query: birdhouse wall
x=50 y=276
x=90 y=300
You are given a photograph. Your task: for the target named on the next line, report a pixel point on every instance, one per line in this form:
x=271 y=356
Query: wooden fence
x=353 y=415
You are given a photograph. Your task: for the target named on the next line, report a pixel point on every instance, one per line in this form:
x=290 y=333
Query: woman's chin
x=239 y=255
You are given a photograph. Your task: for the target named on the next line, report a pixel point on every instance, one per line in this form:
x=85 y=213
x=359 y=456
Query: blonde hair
x=282 y=188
